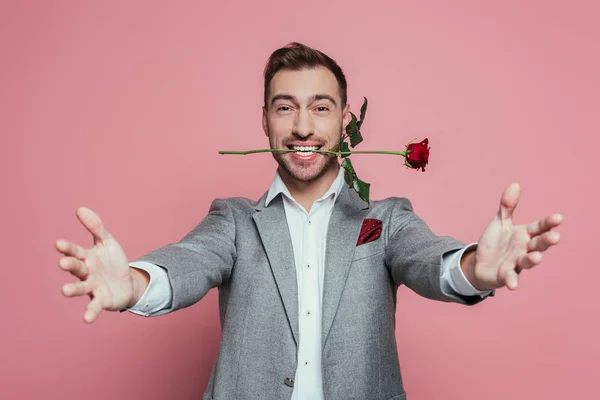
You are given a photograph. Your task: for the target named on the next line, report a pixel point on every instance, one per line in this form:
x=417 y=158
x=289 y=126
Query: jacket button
x=289 y=382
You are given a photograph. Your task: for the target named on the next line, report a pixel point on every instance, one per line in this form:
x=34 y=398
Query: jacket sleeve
x=203 y=259
x=414 y=255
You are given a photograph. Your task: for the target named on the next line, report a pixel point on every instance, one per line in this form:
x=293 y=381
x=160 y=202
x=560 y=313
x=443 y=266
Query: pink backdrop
x=122 y=107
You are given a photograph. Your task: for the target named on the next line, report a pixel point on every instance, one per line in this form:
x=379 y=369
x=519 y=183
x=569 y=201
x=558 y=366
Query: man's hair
x=296 y=56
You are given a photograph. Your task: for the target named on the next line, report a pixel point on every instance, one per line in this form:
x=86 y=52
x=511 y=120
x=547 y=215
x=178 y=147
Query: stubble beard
x=305 y=172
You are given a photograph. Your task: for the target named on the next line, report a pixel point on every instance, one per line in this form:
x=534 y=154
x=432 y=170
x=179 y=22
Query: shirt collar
x=277 y=187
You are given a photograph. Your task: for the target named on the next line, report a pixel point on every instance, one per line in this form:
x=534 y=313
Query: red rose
x=419 y=155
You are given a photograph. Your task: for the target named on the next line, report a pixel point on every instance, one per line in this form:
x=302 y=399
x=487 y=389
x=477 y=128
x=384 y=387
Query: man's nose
x=303 y=124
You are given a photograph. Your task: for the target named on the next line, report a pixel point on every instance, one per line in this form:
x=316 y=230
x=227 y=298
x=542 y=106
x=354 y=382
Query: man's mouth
x=304 y=150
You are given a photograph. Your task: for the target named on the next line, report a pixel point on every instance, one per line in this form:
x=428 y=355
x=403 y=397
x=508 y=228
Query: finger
x=543 y=241
x=76 y=289
x=511 y=279
x=74 y=266
x=92 y=222
x=509 y=201
x=528 y=260
x=544 y=224
x=70 y=249
x=92 y=311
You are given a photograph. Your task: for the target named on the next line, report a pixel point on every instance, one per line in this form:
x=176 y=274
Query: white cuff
x=158 y=294
x=453 y=279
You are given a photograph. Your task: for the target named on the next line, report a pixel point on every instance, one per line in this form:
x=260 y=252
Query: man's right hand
x=103 y=270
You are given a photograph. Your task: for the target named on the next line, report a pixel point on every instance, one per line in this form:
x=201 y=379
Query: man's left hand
x=505 y=249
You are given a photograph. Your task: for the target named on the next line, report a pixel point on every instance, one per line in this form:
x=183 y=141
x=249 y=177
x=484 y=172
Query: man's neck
x=306 y=193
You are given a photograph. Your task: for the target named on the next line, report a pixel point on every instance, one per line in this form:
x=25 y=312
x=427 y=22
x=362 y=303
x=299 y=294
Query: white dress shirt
x=308 y=231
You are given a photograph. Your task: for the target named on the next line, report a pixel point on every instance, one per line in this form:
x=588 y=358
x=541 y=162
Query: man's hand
x=103 y=270
x=505 y=249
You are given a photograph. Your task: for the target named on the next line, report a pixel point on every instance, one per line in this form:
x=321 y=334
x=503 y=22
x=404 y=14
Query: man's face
x=304 y=112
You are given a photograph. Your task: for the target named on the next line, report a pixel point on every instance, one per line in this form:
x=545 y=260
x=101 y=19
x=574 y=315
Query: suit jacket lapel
x=272 y=226
x=342 y=234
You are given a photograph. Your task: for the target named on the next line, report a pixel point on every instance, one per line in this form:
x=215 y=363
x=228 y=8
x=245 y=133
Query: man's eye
x=322 y=109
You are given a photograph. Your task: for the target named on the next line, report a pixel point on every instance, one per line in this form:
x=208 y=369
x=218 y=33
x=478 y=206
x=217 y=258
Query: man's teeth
x=305 y=150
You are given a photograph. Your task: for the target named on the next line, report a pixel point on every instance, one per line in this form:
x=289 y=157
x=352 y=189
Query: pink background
x=122 y=107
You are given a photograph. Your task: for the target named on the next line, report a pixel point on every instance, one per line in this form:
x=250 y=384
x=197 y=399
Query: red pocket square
x=370 y=231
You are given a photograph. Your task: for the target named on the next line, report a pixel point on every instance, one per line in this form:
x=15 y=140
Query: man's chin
x=305 y=176
x=305 y=172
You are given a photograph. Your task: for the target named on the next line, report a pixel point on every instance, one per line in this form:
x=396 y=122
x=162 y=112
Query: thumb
x=511 y=280
x=92 y=222
x=509 y=201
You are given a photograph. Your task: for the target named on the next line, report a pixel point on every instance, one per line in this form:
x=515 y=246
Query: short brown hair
x=296 y=56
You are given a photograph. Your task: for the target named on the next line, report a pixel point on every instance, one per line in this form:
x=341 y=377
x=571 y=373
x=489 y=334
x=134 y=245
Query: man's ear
x=347 y=117
x=264 y=121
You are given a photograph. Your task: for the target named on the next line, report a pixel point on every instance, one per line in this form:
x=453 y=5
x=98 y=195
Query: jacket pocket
x=368 y=249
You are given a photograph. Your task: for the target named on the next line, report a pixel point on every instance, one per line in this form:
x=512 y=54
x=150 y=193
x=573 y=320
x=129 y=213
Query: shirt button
x=308 y=313
x=307 y=265
x=306 y=363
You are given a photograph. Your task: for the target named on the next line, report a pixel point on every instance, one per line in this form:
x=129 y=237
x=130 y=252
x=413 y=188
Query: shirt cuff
x=158 y=295
x=453 y=279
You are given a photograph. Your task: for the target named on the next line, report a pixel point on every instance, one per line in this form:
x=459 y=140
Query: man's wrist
x=467 y=265
x=140 y=281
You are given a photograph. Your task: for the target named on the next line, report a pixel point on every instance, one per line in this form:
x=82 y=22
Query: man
x=306 y=299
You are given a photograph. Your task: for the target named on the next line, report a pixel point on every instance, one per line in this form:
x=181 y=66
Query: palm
x=109 y=270
x=103 y=270
x=504 y=249
x=498 y=246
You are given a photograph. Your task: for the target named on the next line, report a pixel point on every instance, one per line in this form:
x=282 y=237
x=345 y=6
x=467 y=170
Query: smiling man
x=308 y=274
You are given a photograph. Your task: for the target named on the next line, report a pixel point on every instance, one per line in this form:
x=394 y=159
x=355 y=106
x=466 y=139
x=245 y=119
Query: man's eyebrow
x=318 y=97
x=283 y=97
x=314 y=98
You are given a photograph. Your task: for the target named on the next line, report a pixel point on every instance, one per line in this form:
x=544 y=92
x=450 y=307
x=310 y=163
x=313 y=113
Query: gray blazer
x=244 y=249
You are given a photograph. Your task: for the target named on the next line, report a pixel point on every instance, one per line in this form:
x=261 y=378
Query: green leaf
x=356 y=139
x=359 y=186
x=363 y=112
x=347 y=165
x=349 y=178
x=353 y=131
x=343 y=148
x=362 y=188
x=352 y=127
